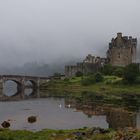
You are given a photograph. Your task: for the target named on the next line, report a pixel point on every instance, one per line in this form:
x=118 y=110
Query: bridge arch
x=18 y=87
x=20 y=81
x=32 y=87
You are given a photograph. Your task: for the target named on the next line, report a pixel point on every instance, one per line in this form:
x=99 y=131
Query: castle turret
x=122 y=50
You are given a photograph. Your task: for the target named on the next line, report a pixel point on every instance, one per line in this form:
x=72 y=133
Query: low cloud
x=54 y=31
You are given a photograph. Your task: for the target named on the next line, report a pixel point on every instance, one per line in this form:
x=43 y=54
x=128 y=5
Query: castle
x=121 y=52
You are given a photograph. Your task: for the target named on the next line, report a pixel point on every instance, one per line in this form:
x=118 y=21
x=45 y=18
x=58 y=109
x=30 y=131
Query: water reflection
x=49 y=115
x=115 y=117
x=10 y=88
x=28 y=91
x=65 y=113
x=119 y=118
x=14 y=91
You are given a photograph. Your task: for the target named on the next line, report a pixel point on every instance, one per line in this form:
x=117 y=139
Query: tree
x=131 y=72
x=91 y=79
x=108 y=69
x=118 y=71
x=88 y=80
x=98 y=77
x=79 y=74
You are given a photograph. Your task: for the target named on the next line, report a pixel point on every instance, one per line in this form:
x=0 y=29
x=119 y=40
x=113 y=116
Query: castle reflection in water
x=115 y=117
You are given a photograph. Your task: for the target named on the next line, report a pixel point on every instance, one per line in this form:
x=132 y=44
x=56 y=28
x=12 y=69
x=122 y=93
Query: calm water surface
x=51 y=113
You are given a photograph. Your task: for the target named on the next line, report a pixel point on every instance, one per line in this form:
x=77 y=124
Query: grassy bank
x=111 y=85
x=79 y=134
x=110 y=91
x=47 y=134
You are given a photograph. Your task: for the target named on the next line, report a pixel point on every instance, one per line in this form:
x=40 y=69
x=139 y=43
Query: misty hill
x=37 y=69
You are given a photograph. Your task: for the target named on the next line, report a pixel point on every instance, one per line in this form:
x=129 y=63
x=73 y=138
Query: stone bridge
x=21 y=81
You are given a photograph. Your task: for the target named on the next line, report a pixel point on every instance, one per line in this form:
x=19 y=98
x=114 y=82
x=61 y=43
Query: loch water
x=63 y=113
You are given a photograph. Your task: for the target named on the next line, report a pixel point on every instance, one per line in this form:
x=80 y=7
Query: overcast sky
x=48 y=30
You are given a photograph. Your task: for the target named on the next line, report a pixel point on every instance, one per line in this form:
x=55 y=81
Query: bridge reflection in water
x=26 y=86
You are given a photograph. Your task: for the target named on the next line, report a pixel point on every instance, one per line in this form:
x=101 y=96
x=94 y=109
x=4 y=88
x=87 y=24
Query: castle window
x=119 y=55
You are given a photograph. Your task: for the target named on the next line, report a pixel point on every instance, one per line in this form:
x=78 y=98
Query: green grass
x=65 y=134
x=75 y=80
x=113 y=87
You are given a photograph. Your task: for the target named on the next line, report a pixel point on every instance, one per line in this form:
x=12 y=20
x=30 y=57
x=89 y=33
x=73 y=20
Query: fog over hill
x=38 y=68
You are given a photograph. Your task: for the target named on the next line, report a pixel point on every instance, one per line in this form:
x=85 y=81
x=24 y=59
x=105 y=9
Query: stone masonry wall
x=122 y=51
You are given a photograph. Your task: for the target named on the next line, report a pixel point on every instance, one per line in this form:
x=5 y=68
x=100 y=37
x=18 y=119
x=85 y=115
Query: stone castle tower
x=122 y=50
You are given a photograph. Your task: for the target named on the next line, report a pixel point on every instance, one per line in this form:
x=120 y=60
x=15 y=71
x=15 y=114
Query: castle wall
x=91 y=67
x=85 y=68
x=121 y=56
x=70 y=71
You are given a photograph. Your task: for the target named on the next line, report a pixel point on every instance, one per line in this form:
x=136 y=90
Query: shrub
x=113 y=70
x=98 y=77
x=137 y=81
x=119 y=71
x=117 y=82
x=79 y=74
x=88 y=80
x=91 y=79
x=85 y=82
x=66 y=79
x=109 y=81
x=108 y=69
x=131 y=73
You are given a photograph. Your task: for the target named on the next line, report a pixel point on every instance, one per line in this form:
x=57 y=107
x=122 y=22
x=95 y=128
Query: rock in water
x=32 y=119
x=5 y=124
